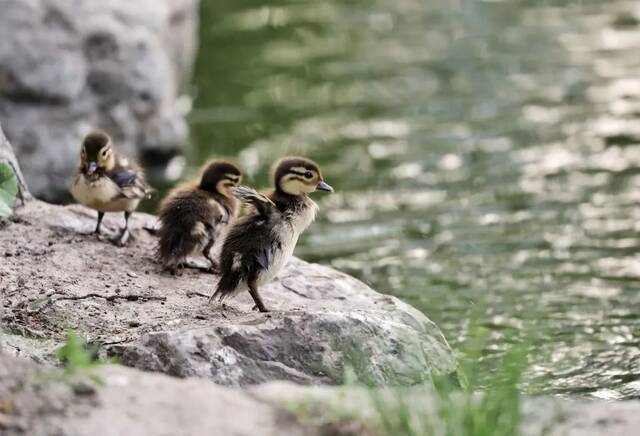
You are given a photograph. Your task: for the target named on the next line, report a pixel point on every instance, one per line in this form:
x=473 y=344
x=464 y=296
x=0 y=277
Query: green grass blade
x=8 y=189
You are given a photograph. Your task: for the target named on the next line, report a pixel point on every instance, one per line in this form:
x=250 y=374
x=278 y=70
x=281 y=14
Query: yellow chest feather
x=101 y=194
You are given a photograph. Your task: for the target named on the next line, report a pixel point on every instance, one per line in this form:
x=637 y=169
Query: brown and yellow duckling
x=259 y=244
x=108 y=181
x=195 y=216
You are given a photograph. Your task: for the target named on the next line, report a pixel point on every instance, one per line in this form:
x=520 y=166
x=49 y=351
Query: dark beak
x=324 y=186
x=91 y=168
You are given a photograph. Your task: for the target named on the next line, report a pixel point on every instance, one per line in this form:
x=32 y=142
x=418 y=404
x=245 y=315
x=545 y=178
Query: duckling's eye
x=308 y=175
x=105 y=152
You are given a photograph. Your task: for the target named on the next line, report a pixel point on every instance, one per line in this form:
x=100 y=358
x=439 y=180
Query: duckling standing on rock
x=108 y=182
x=258 y=245
x=193 y=217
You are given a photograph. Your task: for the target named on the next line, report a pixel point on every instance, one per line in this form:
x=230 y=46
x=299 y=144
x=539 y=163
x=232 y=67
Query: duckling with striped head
x=260 y=243
x=108 y=181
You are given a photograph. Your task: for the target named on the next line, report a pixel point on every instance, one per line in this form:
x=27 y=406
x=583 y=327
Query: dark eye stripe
x=302 y=174
x=297 y=178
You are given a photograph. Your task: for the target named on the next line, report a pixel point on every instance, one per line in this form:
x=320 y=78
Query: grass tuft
x=441 y=405
x=79 y=358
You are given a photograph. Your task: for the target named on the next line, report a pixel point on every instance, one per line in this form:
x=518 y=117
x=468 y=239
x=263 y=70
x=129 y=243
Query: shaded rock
x=116 y=400
x=67 y=67
x=57 y=276
x=26 y=406
x=130 y=402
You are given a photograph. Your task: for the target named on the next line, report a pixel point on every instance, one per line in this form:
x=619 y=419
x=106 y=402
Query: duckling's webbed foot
x=122 y=239
x=211 y=268
x=176 y=270
x=253 y=290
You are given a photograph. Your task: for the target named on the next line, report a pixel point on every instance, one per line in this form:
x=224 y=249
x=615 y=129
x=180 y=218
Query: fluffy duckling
x=259 y=244
x=108 y=182
x=195 y=216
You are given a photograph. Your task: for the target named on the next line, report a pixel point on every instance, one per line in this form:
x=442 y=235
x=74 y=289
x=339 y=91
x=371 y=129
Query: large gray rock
x=38 y=401
x=67 y=66
x=53 y=276
x=128 y=402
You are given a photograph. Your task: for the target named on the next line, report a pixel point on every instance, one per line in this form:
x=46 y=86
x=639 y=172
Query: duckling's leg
x=122 y=239
x=214 y=268
x=100 y=216
x=253 y=290
x=206 y=251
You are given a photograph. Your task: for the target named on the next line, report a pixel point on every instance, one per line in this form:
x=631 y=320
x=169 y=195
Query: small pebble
x=83 y=387
x=132 y=274
x=134 y=323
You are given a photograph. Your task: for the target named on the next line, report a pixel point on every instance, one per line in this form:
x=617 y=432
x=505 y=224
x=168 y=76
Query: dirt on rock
x=114 y=400
x=56 y=275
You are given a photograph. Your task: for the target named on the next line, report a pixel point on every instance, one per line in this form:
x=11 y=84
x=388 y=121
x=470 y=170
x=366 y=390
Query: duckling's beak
x=324 y=186
x=91 y=168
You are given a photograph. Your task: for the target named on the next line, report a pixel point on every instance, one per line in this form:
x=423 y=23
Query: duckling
x=260 y=243
x=108 y=182
x=195 y=216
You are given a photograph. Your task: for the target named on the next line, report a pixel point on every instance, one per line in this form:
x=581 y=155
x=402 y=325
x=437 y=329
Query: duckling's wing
x=262 y=204
x=264 y=257
x=130 y=182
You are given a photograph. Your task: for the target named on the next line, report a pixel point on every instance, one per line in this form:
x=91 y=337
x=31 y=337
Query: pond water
x=486 y=156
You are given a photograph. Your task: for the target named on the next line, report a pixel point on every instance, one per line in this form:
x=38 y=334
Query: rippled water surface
x=486 y=156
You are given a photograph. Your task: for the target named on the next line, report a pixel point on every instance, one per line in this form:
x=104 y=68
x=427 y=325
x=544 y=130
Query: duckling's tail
x=222 y=291
x=229 y=283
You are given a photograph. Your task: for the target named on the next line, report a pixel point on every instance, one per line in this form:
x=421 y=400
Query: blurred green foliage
x=8 y=189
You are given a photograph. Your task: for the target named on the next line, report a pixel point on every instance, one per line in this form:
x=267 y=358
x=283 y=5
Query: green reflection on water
x=483 y=171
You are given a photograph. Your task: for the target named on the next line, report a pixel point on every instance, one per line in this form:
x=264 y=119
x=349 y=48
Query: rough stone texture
x=128 y=402
x=52 y=275
x=36 y=401
x=67 y=66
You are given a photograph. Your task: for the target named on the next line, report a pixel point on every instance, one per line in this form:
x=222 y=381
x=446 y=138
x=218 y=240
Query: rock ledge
x=53 y=276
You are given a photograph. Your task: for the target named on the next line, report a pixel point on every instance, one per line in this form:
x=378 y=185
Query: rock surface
x=69 y=66
x=52 y=276
x=39 y=401
x=333 y=409
x=128 y=402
